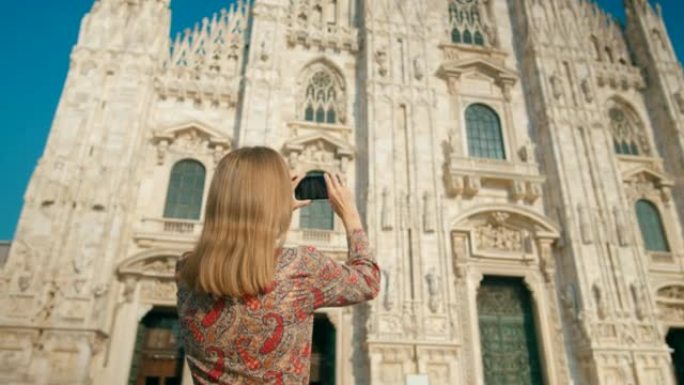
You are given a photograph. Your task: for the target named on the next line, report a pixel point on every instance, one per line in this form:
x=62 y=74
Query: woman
x=245 y=303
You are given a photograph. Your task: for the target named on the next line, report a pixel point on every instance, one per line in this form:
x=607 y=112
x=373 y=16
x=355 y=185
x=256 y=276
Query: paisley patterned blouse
x=267 y=339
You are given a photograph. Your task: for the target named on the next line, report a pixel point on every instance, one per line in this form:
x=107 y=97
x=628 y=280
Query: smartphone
x=311 y=187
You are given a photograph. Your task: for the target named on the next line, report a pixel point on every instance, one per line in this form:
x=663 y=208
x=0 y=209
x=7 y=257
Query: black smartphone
x=311 y=187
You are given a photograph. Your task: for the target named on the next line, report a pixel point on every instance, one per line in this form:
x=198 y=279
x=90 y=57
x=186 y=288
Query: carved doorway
x=675 y=339
x=323 y=352
x=510 y=353
x=158 y=355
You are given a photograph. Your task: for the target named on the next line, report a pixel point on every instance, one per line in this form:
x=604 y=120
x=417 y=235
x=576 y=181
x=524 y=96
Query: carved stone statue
x=381 y=61
x=433 y=283
x=556 y=86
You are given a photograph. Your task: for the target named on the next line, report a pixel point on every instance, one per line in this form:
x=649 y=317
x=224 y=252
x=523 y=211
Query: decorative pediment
x=319 y=150
x=670 y=299
x=643 y=173
x=479 y=65
x=644 y=182
x=674 y=293
x=156 y=264
x=190 y=138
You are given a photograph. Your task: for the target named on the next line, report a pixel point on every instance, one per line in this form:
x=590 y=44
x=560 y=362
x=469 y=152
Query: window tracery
x=323 y=97
x=467 y=23
x=627 y=130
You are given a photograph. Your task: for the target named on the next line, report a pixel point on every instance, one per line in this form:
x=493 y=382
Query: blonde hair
x=247 y=216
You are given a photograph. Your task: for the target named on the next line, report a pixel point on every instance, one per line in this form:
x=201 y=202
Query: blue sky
x=38 y=36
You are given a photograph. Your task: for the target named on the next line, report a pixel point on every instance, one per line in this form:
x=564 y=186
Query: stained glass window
x=628 y=137
x=651 y=226
x=466 y=22
x=185 y=191
x=455 y=36
x=321 y=102
x=485 y=139
x=510 y=354
x=318 y=215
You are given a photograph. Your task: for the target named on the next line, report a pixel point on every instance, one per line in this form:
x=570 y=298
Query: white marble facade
x=93 y=253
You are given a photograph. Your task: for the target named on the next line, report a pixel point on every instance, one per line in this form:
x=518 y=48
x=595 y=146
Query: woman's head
x=247 y=215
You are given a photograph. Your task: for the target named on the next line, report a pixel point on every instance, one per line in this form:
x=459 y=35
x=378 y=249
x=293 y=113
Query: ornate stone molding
x=192 y=138
x=670 y=301
x=318 y=151
x=310 y=25
x=502 y=233
x=491 y=67
x=644 y=182
x=467 y=176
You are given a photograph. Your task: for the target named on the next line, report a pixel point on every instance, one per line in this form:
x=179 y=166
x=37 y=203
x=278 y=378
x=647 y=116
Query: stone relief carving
x=673 y=292
x=190 y=140
x=319 y=153
x=159 y=290
x=643 y=185
x=494 y=235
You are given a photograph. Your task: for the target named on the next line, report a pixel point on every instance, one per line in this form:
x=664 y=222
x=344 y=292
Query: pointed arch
x=322 y=93
x=467 y=22
x=627 y=129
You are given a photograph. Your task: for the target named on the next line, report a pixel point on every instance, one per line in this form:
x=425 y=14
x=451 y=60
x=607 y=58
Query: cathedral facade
x=519 y=165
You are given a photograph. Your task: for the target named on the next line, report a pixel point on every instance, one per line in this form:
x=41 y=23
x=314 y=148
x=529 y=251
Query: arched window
x=478 y=38
x=628 y=135
x=467 y=37
x=651 y=226
x=455 y=36
x=318 y=215
x=484 y=133
x=322 y=100
x=467 y=19
x=185 y=191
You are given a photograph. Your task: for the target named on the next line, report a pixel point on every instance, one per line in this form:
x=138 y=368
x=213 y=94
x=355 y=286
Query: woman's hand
x=342 y=202
x=297 y=203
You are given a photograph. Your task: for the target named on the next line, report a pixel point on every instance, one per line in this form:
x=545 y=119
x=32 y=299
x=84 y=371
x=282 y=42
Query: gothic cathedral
x=519 y=165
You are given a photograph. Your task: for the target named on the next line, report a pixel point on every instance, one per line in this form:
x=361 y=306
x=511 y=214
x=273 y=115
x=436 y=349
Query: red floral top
x=267 y=339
